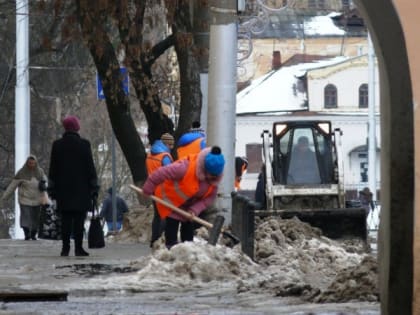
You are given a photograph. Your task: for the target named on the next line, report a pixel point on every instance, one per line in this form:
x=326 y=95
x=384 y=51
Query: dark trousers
x=171 y=231
x=72 y=222
x=158 y=225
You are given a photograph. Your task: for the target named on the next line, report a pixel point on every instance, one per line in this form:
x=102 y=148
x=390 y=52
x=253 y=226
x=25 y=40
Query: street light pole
x=371 y=122
x=22 y=97
x=222 y=94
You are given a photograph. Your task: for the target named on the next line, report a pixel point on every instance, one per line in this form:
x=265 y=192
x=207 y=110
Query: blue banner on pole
x=124 y=81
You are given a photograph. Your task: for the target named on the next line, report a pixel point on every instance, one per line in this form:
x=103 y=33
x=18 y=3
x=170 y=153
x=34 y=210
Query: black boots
x=80 y=252
x=29 y=234
x=77 y=252
x=33 y=235
x=78 y=245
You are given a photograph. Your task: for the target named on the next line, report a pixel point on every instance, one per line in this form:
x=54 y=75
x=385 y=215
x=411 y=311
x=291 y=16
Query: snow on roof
x=291 y=24
x=322 y=25
x=279 y=90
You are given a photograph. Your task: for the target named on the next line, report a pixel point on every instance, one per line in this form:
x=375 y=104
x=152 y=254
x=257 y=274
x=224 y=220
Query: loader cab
x=303 y=153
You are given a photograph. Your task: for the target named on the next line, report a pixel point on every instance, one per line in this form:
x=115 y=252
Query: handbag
x=96 y=238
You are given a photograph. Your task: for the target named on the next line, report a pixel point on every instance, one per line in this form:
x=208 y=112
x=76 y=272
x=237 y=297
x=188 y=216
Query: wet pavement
x=33 y=266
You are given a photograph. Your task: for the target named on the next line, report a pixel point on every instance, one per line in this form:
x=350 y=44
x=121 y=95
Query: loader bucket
x=334 y=223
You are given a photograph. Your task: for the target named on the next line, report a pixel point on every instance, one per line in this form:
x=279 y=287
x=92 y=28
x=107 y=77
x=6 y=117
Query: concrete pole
x=372 y=122
x=222 y=94
x=22 y=97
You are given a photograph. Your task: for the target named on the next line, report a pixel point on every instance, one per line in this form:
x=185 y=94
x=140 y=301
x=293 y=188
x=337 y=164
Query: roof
x=279 y=90
x=288 y=23
x=362 y=149
x=303 y=58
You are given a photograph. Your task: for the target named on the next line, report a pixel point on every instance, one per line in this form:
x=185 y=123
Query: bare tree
x=107 y=43
x=157 y=49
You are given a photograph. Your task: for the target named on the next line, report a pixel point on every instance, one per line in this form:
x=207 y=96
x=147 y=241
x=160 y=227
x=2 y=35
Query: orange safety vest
x=190 y=148
x=178 y=192
x=153 y=162
x=237 y=183
x=239 y=178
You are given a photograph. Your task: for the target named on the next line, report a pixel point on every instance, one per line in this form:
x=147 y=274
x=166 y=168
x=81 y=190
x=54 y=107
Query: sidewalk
x=25 y=263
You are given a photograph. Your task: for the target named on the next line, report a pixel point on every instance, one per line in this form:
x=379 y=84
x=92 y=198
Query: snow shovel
x=214 y=229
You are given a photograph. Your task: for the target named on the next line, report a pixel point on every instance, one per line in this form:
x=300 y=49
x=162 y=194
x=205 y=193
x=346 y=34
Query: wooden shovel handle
x=184 y=213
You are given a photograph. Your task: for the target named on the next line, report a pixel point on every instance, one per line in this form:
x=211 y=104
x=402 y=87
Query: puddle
x=92 y=270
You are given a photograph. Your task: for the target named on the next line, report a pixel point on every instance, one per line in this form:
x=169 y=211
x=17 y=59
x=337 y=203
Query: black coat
x=72 y=174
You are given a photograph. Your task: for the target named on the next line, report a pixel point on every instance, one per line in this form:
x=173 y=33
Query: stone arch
x=397 y=157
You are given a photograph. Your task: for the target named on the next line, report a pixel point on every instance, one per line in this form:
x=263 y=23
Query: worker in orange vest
x=241 y=165
x=191 y=142
x=159 y=155
x=190 y=184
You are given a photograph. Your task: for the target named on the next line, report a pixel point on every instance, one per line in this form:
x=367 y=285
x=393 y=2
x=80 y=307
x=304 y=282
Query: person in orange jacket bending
x=190 y=184
x=159 y=155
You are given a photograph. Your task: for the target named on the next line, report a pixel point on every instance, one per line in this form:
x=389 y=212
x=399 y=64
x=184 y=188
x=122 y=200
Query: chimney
x=276 y=62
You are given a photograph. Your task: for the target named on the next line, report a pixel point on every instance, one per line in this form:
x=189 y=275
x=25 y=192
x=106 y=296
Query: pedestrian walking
x=72 y=183
x=159 y=155
x=107 y=211
x=190 y=184
x=31 y=183
x=366 y=199
x=191 y=142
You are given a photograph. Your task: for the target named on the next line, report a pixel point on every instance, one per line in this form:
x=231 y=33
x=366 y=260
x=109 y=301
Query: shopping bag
x=49 y=223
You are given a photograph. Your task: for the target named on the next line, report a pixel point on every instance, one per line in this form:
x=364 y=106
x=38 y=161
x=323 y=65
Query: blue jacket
x=106 y=211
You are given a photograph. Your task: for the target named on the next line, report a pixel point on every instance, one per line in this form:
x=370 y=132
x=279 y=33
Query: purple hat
x=71 y=123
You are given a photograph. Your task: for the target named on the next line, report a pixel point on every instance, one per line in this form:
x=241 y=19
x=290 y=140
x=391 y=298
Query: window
x=345 y=4
x=330 y=96
x=316 y=4
x=363 y=96
x=303 y=162
x=311 y=4
x=254 y=156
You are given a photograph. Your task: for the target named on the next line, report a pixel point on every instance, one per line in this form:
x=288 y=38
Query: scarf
x=26 y=173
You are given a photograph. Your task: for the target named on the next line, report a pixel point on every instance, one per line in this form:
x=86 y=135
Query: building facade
x=347 y=111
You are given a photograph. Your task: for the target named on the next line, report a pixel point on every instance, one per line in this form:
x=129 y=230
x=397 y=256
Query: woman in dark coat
x=72 y=183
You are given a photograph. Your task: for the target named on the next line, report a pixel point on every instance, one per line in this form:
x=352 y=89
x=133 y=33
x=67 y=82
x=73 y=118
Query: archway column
x=408 y=12
x=396 y=232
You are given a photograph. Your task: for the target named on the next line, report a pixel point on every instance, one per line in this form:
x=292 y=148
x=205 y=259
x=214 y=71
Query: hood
x=159 y=147
x=189 y=137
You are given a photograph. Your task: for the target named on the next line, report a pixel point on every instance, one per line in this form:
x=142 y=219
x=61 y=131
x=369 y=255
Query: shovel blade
x=215 y=231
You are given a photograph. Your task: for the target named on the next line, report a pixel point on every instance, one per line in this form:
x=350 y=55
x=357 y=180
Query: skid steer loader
x=303 y=175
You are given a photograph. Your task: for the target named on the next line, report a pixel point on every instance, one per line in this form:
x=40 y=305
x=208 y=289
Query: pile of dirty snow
x=137 y=226
x=298 y=261
x=292 y=259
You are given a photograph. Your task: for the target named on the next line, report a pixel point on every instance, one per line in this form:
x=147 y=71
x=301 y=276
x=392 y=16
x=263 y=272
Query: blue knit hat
x=214 y=161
